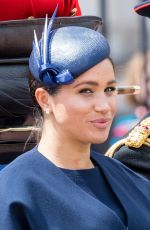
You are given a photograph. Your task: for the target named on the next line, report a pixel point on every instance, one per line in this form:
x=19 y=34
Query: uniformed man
x=134 y=149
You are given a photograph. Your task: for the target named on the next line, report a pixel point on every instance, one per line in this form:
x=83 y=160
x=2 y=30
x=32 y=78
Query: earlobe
x=43 y=99
x=47 y=111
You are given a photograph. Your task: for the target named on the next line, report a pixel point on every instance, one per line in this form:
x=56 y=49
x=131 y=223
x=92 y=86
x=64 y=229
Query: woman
x=60 y=184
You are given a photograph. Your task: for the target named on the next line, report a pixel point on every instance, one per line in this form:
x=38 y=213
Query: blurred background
x=125 y=30
x=128 y=35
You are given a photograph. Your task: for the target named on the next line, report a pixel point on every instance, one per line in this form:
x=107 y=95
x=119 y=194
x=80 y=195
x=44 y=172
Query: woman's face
x=84 y=110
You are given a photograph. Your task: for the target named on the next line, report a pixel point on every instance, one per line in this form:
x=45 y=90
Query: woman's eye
x=111 y=90
x=86 y=91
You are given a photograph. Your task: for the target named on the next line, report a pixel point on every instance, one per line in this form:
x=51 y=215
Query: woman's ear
x=43 y=99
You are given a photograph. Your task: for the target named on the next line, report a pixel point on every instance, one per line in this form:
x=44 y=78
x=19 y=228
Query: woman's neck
x=64 y=152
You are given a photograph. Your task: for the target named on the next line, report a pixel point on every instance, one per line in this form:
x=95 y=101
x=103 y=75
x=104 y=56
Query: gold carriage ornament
x=128 y=90
x=136 y=138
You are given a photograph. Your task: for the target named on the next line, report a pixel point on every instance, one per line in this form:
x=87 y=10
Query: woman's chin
x=99 y=140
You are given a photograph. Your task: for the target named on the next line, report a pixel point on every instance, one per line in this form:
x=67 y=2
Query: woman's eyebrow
x=94 y=83
x=112 y=82
x=86 y=82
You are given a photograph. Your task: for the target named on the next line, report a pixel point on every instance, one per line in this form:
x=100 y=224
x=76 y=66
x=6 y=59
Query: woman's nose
x=102 y=104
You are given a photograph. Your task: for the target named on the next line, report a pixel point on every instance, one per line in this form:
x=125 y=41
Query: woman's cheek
x=80 y=103
x=60 y=113
x=114 y=105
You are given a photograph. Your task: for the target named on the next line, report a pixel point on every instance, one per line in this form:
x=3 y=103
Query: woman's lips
x=101 y=123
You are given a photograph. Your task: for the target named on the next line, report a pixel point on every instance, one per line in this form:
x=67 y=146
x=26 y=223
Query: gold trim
x=111 y=151
x=73 y=12
x=137 y=137
x=30 y=17
x=139 y=134
x=128 y=90
x=20 y=129
x=147 y=142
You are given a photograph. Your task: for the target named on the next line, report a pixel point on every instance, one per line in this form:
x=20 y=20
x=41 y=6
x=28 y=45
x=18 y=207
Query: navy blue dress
x=94 y=183
x=37 y=195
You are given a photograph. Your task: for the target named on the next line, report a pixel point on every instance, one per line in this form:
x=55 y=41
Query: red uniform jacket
x=22 y=9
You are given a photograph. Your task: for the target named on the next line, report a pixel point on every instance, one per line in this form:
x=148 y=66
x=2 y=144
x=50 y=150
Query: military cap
x=16 y=9
x=133 y=150
x=143 y=8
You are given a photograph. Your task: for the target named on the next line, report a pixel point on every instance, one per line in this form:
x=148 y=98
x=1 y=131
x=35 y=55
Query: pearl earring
x=47 y=111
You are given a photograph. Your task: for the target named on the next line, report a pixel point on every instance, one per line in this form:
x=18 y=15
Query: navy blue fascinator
x=63 y=54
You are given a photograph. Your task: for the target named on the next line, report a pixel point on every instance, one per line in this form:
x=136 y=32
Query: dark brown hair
x=37 y=111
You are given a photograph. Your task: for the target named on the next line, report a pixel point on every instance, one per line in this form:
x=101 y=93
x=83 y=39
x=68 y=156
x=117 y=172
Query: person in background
x=135 y=75
x=138 y=72
x=133 y=149
x=23 y=9
x=61 y=183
